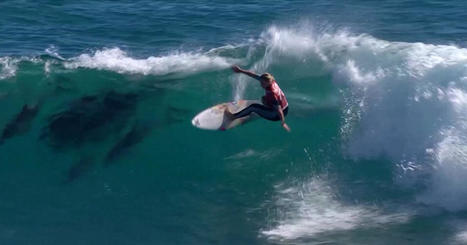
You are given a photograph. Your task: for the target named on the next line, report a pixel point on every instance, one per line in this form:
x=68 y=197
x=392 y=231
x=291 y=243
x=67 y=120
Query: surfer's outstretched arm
x=237 y=69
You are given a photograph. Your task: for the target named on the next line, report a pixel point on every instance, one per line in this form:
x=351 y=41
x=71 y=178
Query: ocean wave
x=403 y=101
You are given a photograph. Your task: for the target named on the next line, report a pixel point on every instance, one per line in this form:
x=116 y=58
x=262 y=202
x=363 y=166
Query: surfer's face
x=265 y=83
x=266 y=80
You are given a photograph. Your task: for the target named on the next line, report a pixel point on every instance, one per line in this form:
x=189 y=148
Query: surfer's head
x=266 y=80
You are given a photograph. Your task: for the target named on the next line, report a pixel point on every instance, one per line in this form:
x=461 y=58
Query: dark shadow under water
x=136 y=134
x=90 y=118
x=21 y=123
x=108 y=120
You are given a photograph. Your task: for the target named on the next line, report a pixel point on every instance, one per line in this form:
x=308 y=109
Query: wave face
x=101 y=138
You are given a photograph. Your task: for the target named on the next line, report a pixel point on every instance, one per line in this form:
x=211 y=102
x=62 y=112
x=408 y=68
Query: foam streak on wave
x=312 y=208
x=117 y=60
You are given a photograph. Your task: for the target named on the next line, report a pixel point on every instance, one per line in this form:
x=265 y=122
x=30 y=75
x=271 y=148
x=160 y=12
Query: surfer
x=274 y=107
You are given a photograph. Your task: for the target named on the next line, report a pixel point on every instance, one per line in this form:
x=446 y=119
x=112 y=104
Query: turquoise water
x=97 y=145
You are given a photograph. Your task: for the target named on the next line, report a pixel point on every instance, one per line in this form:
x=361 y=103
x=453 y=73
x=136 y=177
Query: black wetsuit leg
x=263 y=111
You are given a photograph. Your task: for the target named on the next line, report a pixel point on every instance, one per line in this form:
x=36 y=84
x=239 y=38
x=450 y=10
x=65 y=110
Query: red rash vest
x=274 y=96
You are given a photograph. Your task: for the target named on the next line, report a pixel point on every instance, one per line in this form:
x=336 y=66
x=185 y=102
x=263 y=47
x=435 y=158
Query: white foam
x=119 y=61
x=250 y=153
x=415 y=103
x=461 y=237
x=355 y=74
x=54 y=52
x=47 y=67
x=312 y=208
x=8 y=67
x=447 y=186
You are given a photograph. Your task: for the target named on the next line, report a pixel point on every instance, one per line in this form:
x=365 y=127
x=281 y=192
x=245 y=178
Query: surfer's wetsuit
x=273 y=98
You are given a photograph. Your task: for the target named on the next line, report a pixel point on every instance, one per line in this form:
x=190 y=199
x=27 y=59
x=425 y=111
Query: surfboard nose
x=195 y=122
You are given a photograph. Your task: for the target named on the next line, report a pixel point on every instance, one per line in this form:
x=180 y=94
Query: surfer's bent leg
x=263 y=111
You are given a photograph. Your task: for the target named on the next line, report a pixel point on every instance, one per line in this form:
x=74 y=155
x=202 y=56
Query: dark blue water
x=97 y=145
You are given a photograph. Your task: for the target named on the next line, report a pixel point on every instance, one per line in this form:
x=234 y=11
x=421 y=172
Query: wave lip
x=115 y=59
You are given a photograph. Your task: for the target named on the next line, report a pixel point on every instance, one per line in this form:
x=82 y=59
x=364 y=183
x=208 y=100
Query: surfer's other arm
x=237 y=69
x=281 y=115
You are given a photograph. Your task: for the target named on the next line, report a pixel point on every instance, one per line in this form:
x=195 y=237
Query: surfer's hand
x=285 y=126
x=236 y=69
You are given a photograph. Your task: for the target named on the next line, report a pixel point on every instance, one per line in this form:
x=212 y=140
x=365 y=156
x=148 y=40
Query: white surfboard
x=213 y=118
